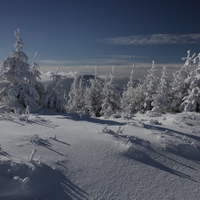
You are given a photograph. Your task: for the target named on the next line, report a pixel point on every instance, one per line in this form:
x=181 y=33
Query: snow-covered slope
x=67 y=157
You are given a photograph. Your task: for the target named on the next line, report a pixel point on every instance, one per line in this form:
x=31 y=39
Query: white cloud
x=51 y=62
x=121 y=70
x=104 y=60
x=155 y=39
x=127 y=57
x=56 y=62
x=45 y=76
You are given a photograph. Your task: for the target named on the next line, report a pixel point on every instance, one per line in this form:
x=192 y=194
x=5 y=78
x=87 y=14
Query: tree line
x=21 y=86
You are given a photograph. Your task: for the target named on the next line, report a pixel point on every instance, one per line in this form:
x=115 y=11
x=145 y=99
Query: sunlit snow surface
x=77 y=157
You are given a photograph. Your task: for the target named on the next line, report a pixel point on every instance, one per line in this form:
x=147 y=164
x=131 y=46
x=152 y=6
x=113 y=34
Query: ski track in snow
x=151 y=158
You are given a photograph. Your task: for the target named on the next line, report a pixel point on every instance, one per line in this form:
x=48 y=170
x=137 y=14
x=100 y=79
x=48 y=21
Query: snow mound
x=158 y=137
x=188 y=118
x=32 y=181
x=137 y=149
x=182 y=146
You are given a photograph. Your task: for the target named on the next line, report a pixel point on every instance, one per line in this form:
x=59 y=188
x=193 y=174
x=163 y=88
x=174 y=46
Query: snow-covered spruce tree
x=36 y=73
x=161 y=100
x=181 y=83
x=93 y=96
x=150 y=87
x=76 y=100
x=111 y=97
x=54 y=96
x=128 y=97
x=132 y=82
x=139 y=97
x=191 y=102
x=18 y=83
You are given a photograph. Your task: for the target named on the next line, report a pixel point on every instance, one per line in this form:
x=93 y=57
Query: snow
x=53 y=156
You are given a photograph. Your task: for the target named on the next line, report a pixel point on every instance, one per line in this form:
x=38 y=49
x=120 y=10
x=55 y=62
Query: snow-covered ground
x=65 y=157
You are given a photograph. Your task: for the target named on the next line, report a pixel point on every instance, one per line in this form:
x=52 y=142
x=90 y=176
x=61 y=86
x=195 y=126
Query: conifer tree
x=181 y=83
x=132 y=82
x=93 y=96
x=37 y=74
x=54 y=97
x=150 y=87
x=191 y=102
x=128 y=96
x=76 y=101
x=111 y=97
x=161 y=100
x=18 y=82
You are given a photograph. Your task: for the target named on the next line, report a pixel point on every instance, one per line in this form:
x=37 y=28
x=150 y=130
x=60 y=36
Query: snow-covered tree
x=37 y=74
x=150 y=87
x=161 y=100
x=54 y=97
x=189 y=60
x=111 y=97
x=132 y=82
x=179 y=89
x=93 y=96
x=191 y=102
x=18 y=82
x=181 y=82
x=129 y=96
x=76 y=100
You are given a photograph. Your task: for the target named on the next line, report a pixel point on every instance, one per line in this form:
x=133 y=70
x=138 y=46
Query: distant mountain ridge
x=67 y=82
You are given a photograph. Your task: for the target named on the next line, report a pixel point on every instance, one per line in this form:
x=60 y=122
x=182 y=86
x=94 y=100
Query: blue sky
x=83 y=33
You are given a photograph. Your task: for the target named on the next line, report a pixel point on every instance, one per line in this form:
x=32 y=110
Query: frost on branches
x=181 y=83
x=76 y=100
x=19 y=86
x=131 y=97
x=111 y=98
x=93 y=96
x=191 y=102
x=36 y=73
x=150 y=87
x=161 y=100
x=54 y=96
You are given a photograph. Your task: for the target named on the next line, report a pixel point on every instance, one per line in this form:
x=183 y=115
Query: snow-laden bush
x=104 y=129
x=120 y=130
x=153 y=113
x=6 y=116
x=34 y=138
x=30 y=158
x=22 y=181
x=154 y=122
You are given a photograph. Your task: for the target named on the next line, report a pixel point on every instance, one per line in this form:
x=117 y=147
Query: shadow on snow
x=45 y=143
x=44 y=183
x=95 y=120
x=140 y=150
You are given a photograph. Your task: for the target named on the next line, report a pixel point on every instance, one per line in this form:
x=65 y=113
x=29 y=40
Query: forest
x=21 y=88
